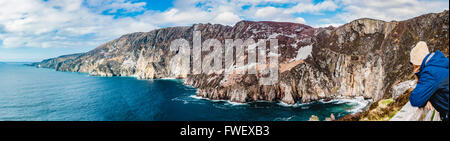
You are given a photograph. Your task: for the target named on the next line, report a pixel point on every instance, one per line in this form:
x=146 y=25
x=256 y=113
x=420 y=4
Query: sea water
x=37 y=94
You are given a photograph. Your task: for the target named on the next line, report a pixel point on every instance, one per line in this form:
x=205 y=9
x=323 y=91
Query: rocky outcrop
x=400 y=88
x=55 y=63
x=365 y=57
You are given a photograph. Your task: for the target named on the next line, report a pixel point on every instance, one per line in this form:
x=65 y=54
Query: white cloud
x=227 y=18
x=112 y=6
x=386 y=10
x=389 y=9
x=12 y=42
x=309 y=6
x=175 y=17
x=271 y=13
x=32 y=23
x=220 y=11
x=56 y=23
x=300 y=20
x=80 y=23
x=267 y=12
x=326 y=25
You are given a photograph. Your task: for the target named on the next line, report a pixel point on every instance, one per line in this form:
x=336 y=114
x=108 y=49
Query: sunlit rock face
x=365 y=57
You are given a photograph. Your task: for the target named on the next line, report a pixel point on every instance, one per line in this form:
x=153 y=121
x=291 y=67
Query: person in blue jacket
x=431 y=70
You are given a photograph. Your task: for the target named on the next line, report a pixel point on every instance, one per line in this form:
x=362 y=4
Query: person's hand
x=416 y=69
x=429 y=106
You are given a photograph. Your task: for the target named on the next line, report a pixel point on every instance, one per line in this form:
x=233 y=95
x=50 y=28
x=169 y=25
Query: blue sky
x=32 y=30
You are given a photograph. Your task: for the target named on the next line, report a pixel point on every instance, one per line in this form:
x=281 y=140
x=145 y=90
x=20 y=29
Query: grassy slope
x=382 y=110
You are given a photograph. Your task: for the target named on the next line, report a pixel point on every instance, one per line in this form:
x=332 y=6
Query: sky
x=33 y=30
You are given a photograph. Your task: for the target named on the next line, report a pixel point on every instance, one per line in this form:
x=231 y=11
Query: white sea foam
x=358 y=103
x=168 y=78
x=186 y=100
x=298 y=104
x=284 y=118
x=214 y=100
x=196 y=97
x=180 y=99
x=361 y=105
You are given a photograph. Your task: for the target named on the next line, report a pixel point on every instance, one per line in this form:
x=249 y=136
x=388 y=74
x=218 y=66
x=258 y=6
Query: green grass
x=387 y=101
x=432 y=116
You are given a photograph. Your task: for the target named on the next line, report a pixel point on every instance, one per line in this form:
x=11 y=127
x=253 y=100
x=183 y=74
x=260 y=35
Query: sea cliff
x=363 y=58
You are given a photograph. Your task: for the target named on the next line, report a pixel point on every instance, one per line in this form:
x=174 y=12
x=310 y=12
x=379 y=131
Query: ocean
x=37 y=94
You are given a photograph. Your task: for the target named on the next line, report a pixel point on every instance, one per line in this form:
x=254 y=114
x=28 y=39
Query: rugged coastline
x=364 y=58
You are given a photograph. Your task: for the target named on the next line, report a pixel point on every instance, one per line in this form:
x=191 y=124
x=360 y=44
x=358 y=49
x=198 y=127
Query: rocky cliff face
x=365 y=57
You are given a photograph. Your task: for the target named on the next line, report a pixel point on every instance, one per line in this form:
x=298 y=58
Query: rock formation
x=365 y=57
x=314 y=118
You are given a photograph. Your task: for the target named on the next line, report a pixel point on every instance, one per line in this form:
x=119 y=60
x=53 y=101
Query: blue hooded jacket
x=433 y=83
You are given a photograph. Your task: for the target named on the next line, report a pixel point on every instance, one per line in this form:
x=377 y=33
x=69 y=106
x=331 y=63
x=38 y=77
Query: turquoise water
x=36 y=94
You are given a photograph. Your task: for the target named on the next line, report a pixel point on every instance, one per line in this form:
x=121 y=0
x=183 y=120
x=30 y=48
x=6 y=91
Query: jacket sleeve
x=424 y=90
